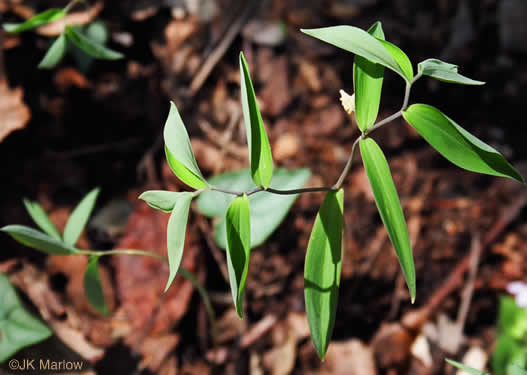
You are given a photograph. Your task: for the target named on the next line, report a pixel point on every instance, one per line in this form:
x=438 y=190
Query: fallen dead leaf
x=14 y=114
x=79 y=18
x=286 y=146
x=70 y=77
x=276 y=94
x=348 y=358
x=281 y=359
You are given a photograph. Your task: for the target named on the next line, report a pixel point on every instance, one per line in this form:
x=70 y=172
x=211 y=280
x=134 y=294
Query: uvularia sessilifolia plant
x=324 y=253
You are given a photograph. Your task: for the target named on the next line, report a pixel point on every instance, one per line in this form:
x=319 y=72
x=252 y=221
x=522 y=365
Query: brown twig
x=217 y=53
x=417 y=318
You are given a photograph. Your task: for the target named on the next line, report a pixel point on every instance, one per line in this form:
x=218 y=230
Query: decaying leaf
x=14 y=114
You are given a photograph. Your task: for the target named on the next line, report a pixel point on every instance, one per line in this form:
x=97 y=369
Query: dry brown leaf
x=72 y=19
x=14 y=114
x=141 y=280
x=348 y=358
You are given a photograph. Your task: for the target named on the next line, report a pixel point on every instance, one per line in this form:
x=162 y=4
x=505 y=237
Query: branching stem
x=348 y=165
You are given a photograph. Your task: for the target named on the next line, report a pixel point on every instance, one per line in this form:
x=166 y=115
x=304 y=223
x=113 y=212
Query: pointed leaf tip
x=238 y=231
x=176 y=230
x=179 y=152
x=456 y=144
x=260 y=154
x=79 y=217
x=322 y=270
x=93 y=286
x=367 y=81
x=389 y=207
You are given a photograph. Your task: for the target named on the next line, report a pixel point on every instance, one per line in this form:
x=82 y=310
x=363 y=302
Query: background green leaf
x=267 y=210
x=359 y=42
x=38 y=20
x=322 y=270
x=18 y=328
x=38 y=240
x=367 y=82
x=93 y=286
x=467 y=369
x=98 y=33
x=176 y=229
x=38 y=215
x=445 y=72
x=238 y=232
x=179 y=152
x=456 y=144
x=55 y=53
x=161 y=199
x=259 y=148
x=79 y=217
x=400 y=57
x=91 y=47
x=389 y=207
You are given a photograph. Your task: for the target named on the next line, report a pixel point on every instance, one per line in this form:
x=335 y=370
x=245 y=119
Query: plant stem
x=381 y=123
x=347 y=168
x=182 y=271
x=300 y=191
x=70 y=5
x=274 y=191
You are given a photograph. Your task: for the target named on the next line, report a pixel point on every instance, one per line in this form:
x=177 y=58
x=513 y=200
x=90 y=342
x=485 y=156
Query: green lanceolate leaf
x=18 y=328
x=445 y=72
x=322 y=270
x=93 y=286
x=40 y=19
x=469 y=370
x=359 y=42
x=389 y=207
x=79 y=217
x=38 y=215
x=55 y=53
x=259 y=148
x=456 y=144
x=38 y=240
x=267 y=210
x=400 y=57
x=176 y=229
x=160 y=199
x=367 y=81
x=238 y=231
x=179 y=151
x=90 y=46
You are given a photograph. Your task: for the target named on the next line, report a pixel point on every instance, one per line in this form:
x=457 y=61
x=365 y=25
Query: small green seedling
x=243 y=225
x=50 y=241
x=18 y=328
x=89 y=39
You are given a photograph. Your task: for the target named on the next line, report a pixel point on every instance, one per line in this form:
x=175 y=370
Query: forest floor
x=102 y=126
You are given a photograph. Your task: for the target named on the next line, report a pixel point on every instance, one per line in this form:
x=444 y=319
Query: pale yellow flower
x=348 y=101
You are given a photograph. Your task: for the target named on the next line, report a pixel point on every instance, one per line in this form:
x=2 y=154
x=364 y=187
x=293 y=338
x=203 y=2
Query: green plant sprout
x=237 y=232
x=50 y=241
x=90 y=39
